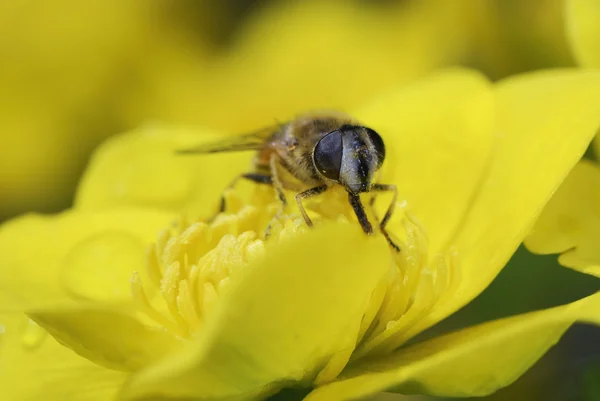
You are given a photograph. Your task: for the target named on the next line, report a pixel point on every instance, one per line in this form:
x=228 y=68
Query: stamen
x=172 y=251
x=368 y=323
x=163 y=237
x=186 y=307
x=169 y=289
x=144 y=305
x=209 y=297
x=191 y=267
x=192 y=280
x=152 y=266
x=415 y=284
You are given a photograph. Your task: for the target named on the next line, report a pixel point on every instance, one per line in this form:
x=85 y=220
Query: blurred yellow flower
x=311 y=54
x=63 y=63
x=158 y=304
x=76 y=72
x=512 y=36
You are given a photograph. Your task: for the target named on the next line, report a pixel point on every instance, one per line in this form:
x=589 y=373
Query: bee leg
x=359 y=210
x=389 y=212
x=391 y=207
x=254 y=177
x=305 y=195
x=372 y=206
x=276 y=181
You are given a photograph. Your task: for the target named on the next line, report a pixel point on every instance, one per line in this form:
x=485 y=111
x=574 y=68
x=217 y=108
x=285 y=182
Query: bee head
x=350 y=156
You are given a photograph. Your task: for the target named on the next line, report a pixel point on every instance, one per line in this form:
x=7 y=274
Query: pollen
x=190 y=266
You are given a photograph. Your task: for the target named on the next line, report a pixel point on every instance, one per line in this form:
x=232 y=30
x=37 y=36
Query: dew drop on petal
x=33 y=335
x=99 y=267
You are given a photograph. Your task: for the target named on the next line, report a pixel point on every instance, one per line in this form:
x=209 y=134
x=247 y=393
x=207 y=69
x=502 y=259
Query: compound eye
x=378 y=144
x=327 y=155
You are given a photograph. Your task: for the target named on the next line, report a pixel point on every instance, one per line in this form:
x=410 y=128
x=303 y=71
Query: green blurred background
x=74 y=73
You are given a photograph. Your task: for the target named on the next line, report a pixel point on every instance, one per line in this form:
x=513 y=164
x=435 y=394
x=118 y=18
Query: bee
x=312 y=154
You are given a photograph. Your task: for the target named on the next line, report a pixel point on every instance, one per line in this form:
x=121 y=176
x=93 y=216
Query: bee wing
x=252 y=141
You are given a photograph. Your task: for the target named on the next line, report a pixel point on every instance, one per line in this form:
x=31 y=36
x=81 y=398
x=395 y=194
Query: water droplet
x=100 y=266
x=33 y=335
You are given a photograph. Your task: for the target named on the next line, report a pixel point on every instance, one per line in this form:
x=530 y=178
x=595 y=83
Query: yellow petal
x=472 y=362
x=281 y=321
x=544 y=123
x=46 y=259
x=111 y=338
x=583 y=30
x=570 y=222
x=33 y=367
x=141 y=168
x=438 y=135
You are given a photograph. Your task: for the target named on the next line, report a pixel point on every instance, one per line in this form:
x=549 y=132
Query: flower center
x=190 y=266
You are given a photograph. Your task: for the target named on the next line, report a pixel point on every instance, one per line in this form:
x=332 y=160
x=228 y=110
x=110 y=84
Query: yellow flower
x=570 y=223
x=148 y=302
